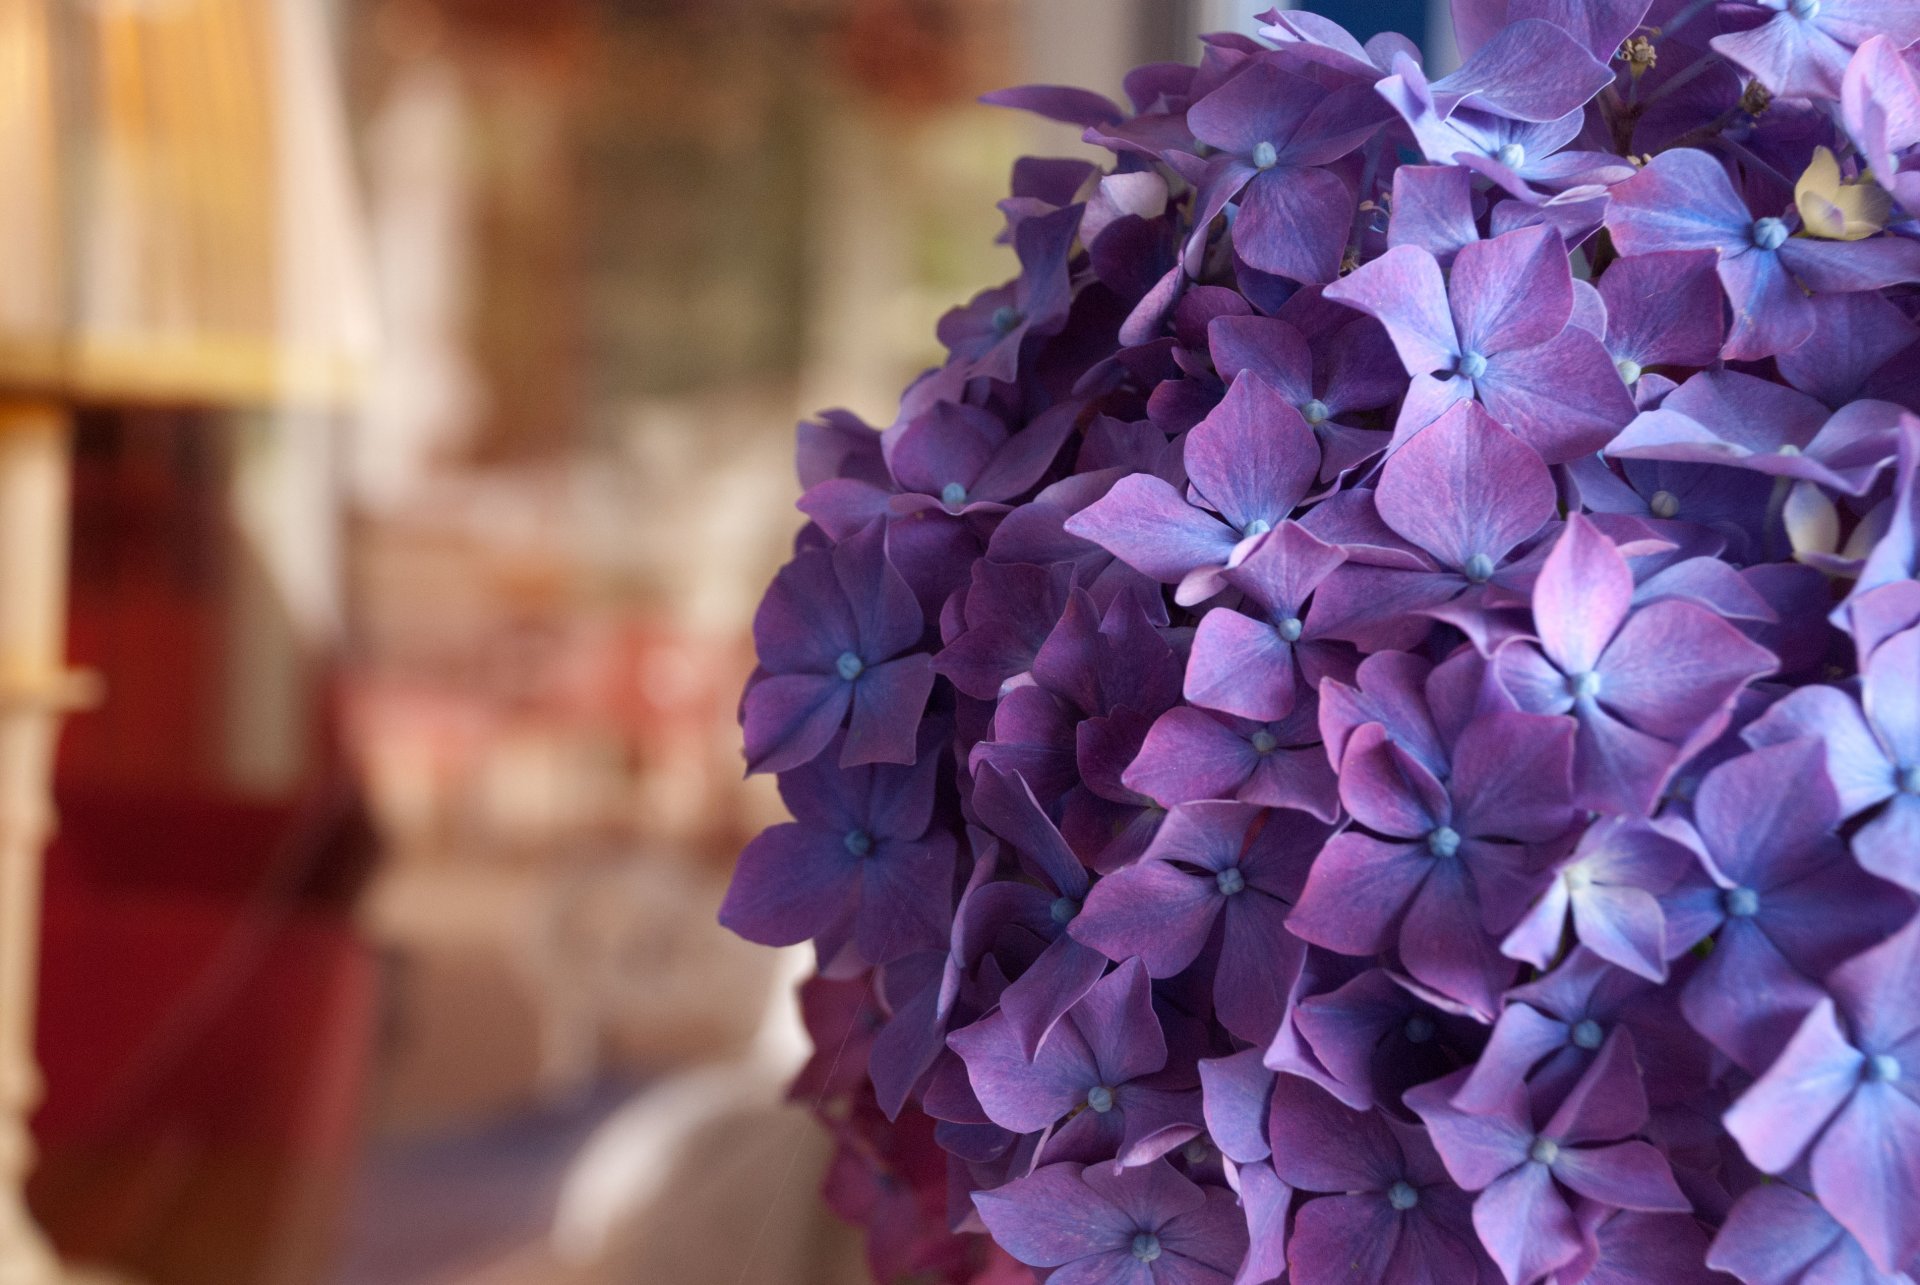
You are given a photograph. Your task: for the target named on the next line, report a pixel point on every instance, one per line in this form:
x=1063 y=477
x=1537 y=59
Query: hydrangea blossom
x=1362 y=725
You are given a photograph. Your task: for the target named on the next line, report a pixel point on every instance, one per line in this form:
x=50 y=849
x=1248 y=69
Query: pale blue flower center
x=1587 y=1034
x=849 y=666
x=1787 y=448
x=1099 y=1099
x=1471 y=365
x=1259 y=526
x=1882 y=1068
x=1146 y=1246
x=1290 y=629
x=953 y=495
x=1402 y=1196
x=1511 y=155
x=1231 y=881
x=1544 y=1151
x=1629 y=369
x=859 y=842
x=1263 y=742
x=1479 y=568
x=1265 y=155
x=1664 y=504
x=1063 y=909
x=1444 y=841
x=1315 y=412
x=1005 y=318
x=1805 y=10
x=1769 y=234
x=1583 y=686
x=1909 y=778
x=1419 y=1029
x=1741 y=903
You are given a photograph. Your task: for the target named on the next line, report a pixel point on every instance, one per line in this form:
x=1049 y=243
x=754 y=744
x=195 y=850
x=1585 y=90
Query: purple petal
x=1356 y=893
x=1293 y=223
x=1051 y=1217
x=1564 y=398
x=1581 y=597
x=1147 y=525
x=1463 y=489
x=1404 y=291
x=1514 y=291
x=1866 y=1171
x=1525 y=1224
x=789 y=718
x=1236 y=1093
x=1626 y=1175
x=1150 y=910
x=1777 y=1118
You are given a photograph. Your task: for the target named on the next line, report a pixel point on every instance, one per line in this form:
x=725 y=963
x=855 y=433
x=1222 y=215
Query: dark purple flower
x=860 y=848
x=1683 y=200
x=1846 y=1092
x=1141 y=1226
x=1192 y=754
x=1391 y=1213
x=1496 y=330
x=1369 y=1038
x=1257 y=662
x=1524 y=1173
x=1641 y=684
x=1450 y=866
x=1792 y=903
x=1343 y=370
x=1207 y=865
x=1098 y=1066
x=833 y=634
x=1463 y=493
x=1272 y=133
x=986 y=336
x=1249 y=465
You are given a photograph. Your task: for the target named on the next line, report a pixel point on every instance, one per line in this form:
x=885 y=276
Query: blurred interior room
x=396 y=401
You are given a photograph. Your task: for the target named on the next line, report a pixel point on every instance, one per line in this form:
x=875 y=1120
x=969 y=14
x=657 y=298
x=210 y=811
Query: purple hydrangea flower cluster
x=1364 y=727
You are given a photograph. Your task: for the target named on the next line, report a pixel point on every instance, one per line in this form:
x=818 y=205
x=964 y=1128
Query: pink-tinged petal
x=1259 y=961
x=1746 y=998
x=1664 y=309
x=1442 y=944
x=1681 y=200
x=1357 y=891
x=1052 y=1217
x=1433 y=210
x=1866 y=1171
x=888 y=701
x=1285 y=567
x=1146 y=524
x=1018 y=1094
x=1036 y=1001
x=1771 y=313
x=1241 y=666
x=1528 y=70
x=1626 y=1175
x=1753 y=827
x=1581 y=597
x=1889 y=695
x=1781 y=1114
x=1404 y=291
x=1876 y=987
x=1272 y=349
x=1776 y=1235
x=1855 y=762
x=1521 y=1038
x=791 y=883
x=1616 y=768
x=1388 y=790
x=1476 y=1147
x=1673 y=664
x=1190 y=755
x=1266 y=1200
x=1525 y=1224
x=1513 y=776
x=1235 y=1090
x=1152 y=910
x=1515 y=291
x=1564 y=398
x=790 y=718
x=1531 y=679
x=1294 y=778
x=1463 y=488
x=1293 y=223
x=1253 y=458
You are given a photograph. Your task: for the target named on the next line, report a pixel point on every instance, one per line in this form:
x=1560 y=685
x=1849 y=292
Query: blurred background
x=396 y=406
